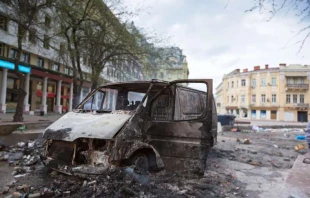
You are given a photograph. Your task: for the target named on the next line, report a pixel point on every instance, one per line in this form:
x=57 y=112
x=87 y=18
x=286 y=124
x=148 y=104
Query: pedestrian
x=307 y=131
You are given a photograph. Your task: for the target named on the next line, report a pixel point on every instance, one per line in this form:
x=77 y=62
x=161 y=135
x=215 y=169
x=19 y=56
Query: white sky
x=218 y=37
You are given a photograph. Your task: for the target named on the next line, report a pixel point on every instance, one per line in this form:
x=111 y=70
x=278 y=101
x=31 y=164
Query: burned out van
x=150 y=124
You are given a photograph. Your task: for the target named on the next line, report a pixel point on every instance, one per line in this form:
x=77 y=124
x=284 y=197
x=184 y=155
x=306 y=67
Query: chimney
x=282 y=64
x=256 y=68
x=245 y=70
x=238 y=70
x=266 y=66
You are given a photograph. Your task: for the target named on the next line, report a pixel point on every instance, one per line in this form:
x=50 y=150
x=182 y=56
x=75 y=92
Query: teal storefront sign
x=11 y=66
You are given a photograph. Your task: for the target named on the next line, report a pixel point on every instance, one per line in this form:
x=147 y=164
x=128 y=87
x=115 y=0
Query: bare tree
x=300 y=8
x=72 y=15
x=24 y=14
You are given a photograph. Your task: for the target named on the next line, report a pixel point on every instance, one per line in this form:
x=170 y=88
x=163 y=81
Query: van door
x=180 y=125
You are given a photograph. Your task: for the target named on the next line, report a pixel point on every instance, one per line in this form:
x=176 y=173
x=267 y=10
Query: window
x=262 y=113
x=47 y=21
x=25 y=57
x=40 y=62
x=46 y=42
x=254 y=98
x=169 y=75
x=232 y=98
x=263 y=98
x=67 y=70
x=273 y=98
x=295 y=81
x=3 y=23
x=273 y=81
x=243 y=84
x=2 y=48
x=242 y=98
x=263 y=82
x=13 y=53
x=62 y=48
x=288 y=80
x=161 y=75
x=55 y=67
x=253 y=82
x=302 y=98
x=288 y=98
x=232 y=84
x=302 y=81
x=32 y=36
x=227 y=99
x=294 y=98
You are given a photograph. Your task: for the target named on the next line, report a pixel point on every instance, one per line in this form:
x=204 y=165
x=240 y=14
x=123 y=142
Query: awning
x=296 y=74
x=11 y=66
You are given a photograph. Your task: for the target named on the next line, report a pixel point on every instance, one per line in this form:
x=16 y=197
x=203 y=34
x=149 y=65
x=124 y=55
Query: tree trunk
x=18 y=116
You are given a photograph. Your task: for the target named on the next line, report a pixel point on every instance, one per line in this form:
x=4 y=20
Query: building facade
x=279 y=93
x=49 y=81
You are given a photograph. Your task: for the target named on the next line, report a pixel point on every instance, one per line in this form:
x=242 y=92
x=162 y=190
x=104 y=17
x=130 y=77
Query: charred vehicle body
x=150 y=124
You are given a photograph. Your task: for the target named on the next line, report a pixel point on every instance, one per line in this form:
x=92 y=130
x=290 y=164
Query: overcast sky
x=218 y=37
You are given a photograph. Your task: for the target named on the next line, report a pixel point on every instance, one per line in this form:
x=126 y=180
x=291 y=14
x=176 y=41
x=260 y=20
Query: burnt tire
x=144 y=161
x=141 y=162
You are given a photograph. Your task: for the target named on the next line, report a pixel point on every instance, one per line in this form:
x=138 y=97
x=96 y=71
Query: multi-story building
x=173 y=65
x=49 y=81
x=279 y=93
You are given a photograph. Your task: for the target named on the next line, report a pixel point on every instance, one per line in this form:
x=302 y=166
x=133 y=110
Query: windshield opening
x=109 y=100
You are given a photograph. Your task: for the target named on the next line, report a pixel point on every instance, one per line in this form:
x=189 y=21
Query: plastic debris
x=255 y=128
x=300 y=137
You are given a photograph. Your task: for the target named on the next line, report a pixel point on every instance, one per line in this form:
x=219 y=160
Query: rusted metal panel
x=85 y=125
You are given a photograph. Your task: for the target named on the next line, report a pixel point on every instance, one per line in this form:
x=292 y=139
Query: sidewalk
x=297 y=182
x=49 y=117
x=271 y=122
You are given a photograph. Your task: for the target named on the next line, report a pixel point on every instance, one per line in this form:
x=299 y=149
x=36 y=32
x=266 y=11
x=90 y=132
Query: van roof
x=141 y=86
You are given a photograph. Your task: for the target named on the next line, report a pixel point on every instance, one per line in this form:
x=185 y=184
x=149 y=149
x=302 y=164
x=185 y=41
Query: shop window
x=263 y=114
x=253 y=114
x=50 y=88
x=39 y=86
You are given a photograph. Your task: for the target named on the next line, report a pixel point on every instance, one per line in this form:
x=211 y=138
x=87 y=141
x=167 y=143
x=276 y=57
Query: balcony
x=301 y=105
x=297 y=86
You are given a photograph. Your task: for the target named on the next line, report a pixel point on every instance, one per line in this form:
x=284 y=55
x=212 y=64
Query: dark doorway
x=302 y=116
x=50 y=104
x=273 y=115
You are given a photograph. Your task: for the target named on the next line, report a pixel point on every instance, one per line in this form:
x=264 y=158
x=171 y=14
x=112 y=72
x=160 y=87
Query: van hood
x=85 y=125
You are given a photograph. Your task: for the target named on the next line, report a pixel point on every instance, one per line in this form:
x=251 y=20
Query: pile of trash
x=117 y=182
x=23 y=157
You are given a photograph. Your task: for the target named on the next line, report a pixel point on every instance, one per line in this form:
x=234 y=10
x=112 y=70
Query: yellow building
x=280 y=93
